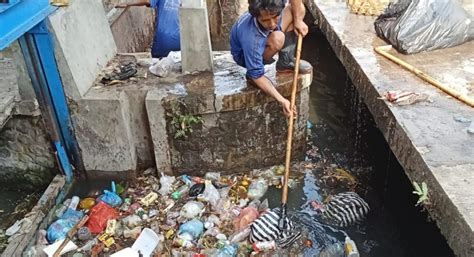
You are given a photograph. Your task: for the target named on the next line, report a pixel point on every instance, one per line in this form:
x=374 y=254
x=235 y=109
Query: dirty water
x=344 y=137
x=14 y=204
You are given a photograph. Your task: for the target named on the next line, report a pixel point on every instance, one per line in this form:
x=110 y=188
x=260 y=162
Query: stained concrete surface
x=119 y=126
x=83 y=44
x=8 y=89
x=428 y=142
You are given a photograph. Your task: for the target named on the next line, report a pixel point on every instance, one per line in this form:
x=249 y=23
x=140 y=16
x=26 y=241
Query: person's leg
x=286 y=56
x=274 y=44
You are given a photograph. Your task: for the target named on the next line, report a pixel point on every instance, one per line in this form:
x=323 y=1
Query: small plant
x=182 y=122
x=422 y=193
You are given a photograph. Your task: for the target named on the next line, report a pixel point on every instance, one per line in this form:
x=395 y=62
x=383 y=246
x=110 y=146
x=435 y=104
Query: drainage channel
x=345 y=137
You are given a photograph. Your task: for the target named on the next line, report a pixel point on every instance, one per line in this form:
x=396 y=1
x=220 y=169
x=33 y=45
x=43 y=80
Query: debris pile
x=165 y=216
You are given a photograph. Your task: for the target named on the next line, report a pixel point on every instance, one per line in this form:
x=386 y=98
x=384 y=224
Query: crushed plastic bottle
x=240 y=236
x=183 y=190
x=228 y=251
x=257 y=189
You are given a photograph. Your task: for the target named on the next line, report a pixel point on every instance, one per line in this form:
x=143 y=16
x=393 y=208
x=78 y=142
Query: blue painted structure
x=24 y=22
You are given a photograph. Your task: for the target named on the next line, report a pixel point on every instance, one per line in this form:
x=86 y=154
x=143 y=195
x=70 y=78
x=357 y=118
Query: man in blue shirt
x=269 y=27
x=166 y=37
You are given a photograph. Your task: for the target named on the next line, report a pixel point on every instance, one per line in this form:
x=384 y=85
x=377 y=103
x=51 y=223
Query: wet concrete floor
x=427 y=139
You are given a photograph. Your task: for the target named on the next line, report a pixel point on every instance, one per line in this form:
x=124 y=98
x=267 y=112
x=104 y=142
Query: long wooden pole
x=383 y=50
x=284 y=197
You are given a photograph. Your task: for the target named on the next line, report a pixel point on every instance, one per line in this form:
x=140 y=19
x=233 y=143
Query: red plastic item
x=98 y=217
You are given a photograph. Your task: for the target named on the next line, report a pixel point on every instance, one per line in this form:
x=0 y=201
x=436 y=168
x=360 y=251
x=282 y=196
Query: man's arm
x=266 y=86
x=142 y=3
x=298 y=11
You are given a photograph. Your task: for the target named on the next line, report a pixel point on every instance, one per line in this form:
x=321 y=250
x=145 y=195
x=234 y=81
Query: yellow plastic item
x=111 y=226
x=149 y=198
x=87 y=203
x=109 y=242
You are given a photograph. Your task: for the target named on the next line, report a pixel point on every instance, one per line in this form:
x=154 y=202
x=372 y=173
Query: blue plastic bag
x=110 y=198
x=58 y=229
x=194 y=227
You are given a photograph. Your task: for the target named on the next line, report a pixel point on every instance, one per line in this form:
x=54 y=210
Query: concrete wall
x=222 y=15
x=84 y=44
x=133 y=28
x=26 y=154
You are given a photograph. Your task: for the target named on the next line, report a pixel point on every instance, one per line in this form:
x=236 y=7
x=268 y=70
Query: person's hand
x=300 y=27
x=121 y=6
x=285 y=104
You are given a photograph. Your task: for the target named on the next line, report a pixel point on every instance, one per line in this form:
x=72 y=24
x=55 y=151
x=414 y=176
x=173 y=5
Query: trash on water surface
x=183 y=215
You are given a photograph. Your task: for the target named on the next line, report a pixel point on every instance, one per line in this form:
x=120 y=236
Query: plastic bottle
x=89 y=245
x=183 y=190
x=350 y=248
x=228 y=251
x=74 y=202
x=187 y=180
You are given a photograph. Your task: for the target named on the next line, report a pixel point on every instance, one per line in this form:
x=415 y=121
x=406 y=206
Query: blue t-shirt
x=247 y=44
x=166 y=37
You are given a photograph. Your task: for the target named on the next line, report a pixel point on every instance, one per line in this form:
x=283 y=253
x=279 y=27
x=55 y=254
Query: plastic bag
x=166 y=182
x=257 y=189
x=245 y=218
x=211 y=194
x=191 y=209
x=412 y=26
x=99 y=215
x=193 y=227
x=110 y=198
x=58 y=229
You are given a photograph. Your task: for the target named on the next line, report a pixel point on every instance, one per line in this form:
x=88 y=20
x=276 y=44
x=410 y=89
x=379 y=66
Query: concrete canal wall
x=428 y=142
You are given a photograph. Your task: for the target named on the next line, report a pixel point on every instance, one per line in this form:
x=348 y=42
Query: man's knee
x=276 y=40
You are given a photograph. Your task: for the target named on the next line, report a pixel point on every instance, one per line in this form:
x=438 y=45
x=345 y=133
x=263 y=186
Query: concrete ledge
x=120 y=126
x=428 y=142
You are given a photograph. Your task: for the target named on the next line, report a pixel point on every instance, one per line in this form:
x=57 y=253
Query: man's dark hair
x=272 y=6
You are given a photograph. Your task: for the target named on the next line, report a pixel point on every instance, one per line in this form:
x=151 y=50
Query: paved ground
x=426 y=138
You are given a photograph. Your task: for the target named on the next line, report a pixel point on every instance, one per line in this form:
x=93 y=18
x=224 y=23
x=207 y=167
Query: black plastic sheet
x=413 y=26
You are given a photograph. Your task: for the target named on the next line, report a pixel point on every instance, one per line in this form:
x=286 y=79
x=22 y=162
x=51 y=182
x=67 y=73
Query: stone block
x=83 y=44
x=196 y=52
x=26 y=154
x=103 y=132
x=157 y=120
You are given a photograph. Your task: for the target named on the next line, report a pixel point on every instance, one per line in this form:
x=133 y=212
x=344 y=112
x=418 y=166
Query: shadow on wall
x=133 y=28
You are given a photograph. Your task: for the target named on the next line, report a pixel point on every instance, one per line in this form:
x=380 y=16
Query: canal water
x=344 y=136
